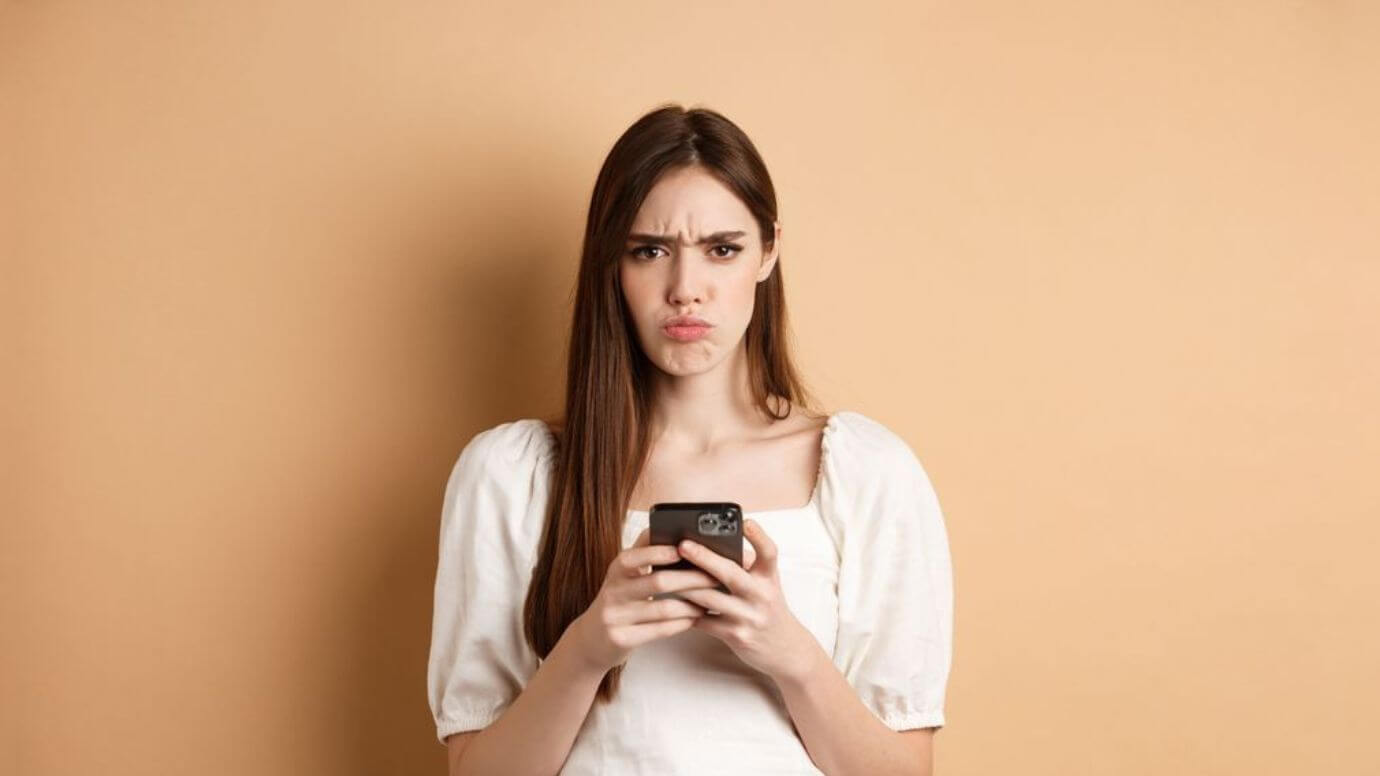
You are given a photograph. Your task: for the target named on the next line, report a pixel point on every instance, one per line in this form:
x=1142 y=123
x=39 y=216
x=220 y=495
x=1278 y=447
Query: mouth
x=686 y=332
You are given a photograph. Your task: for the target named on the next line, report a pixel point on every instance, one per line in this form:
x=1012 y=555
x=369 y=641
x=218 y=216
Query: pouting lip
x=685 y=320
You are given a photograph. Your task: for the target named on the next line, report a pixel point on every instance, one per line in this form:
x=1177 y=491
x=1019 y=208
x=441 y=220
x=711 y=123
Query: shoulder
x=875 y=485
x=499 y=483
x=507 y=450
x=866 y=460
x=512 y=440
x=866 y=441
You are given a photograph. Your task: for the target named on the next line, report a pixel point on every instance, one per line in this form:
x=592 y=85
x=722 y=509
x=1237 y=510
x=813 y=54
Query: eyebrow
x=670 y=239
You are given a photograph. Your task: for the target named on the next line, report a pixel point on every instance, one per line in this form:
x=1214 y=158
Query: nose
x=686 y=283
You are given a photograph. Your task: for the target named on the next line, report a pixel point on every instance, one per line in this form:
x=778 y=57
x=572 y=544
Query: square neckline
x=829 y=424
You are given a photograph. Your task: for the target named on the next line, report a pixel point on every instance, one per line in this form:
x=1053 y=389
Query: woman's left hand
x=754 y=620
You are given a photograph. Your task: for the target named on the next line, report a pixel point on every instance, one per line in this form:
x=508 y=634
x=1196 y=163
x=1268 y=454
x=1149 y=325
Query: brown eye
x=638 y=252
x=736 y=249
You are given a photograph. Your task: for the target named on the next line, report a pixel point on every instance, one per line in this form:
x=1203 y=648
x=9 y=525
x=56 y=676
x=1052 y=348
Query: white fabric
x=864 y=565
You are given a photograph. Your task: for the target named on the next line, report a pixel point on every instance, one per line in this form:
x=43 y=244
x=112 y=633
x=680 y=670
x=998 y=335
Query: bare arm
x=555 y=701
x=842 y=735
x=558 y=697
x=455 y=745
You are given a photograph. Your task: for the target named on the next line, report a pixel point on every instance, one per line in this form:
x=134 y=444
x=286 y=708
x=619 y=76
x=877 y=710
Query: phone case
x=717 y=525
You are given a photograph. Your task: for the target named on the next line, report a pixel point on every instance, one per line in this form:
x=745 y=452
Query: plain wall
x=1109 y=267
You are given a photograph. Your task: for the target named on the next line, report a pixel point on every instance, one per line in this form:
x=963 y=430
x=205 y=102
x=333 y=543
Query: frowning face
x=690 y=269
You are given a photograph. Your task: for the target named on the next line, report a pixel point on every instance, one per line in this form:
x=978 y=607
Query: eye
x=637 y=252
x=640 y=252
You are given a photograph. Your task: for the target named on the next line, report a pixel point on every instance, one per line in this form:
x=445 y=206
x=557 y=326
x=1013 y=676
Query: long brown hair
x=602 y=441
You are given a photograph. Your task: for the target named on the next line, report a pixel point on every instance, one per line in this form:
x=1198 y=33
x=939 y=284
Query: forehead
x=692 y=202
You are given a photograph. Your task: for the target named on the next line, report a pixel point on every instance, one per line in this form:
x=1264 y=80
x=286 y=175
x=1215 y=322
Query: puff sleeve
x=490 y=521
x=895 y=587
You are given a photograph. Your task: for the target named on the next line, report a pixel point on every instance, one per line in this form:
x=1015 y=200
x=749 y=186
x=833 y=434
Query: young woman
x=831 y=651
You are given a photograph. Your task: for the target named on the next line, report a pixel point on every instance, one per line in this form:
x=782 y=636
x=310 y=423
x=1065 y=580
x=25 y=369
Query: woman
x=831 y=651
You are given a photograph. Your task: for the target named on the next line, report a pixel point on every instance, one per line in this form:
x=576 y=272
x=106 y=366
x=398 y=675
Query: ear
x=769 y=259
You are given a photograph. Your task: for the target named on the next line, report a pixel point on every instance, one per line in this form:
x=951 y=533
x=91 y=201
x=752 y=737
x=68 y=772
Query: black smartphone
x=717 y=525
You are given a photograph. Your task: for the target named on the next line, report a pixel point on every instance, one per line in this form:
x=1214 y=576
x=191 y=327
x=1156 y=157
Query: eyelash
x=637 y=252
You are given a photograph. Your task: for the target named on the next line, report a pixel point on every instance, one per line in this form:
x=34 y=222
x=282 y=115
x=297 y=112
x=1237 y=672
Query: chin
x=683 y=365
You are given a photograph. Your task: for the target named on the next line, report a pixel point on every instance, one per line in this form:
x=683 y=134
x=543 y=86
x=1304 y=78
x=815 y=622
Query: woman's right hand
x=623 y=616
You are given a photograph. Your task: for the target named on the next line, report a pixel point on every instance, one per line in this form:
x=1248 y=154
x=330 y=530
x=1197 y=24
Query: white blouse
x=864 y=566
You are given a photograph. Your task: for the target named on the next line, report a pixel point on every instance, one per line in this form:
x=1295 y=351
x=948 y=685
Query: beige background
x=1110 y=268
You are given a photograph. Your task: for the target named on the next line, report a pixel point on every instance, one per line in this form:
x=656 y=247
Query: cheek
x=640 y=294
x=745 y=295
x=633 y=292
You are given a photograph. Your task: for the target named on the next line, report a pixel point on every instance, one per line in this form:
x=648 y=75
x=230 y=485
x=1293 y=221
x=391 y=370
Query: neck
x=697 y=413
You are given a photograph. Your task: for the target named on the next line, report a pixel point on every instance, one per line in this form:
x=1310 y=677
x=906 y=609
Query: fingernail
x=687 y=547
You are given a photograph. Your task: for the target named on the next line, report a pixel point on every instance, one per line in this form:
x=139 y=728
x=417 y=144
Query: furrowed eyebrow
x=665 y=239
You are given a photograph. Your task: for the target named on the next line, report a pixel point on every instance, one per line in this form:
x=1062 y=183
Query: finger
x=642 y=633
x=749 y=556
x=667 y=581
x=644 y=538
x=723 y=603
x=634 y=560
x=738 y=581
x=635 y=612
x=766 y=548
x=722 y=629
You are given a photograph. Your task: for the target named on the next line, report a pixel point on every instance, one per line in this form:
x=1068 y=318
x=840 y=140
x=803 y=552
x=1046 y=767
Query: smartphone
x=717 y=525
